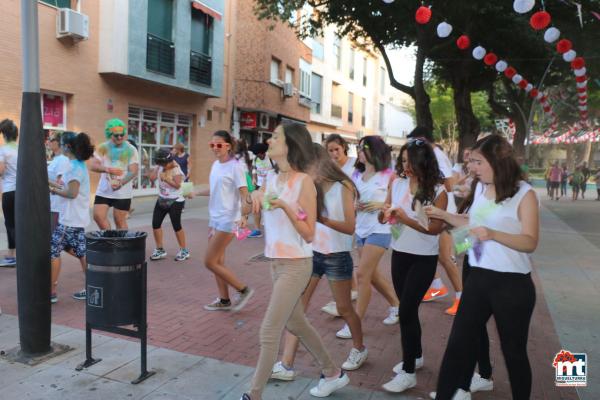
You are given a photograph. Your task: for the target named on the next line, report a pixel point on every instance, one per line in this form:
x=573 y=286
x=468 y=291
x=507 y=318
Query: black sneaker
x=81 y=295
x=245 y=396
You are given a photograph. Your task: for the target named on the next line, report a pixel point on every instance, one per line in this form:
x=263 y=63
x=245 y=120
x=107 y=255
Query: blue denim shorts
x=375 y=239
x=226 y=227
x=337 y=266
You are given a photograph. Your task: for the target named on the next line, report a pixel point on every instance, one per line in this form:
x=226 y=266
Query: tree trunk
x=587 y=152
x=422 y=99
x=520 y=135
x=468 y=124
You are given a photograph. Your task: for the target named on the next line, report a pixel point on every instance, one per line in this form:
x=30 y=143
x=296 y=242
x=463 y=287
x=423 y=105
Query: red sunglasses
x=217 y=145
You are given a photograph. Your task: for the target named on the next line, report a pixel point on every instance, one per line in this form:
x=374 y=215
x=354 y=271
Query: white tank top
x=503 y=217
x=329 y=240
x=375 y=189
x=410 y=240
x=282 y=240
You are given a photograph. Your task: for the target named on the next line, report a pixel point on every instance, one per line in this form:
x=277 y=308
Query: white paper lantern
x=539 y=96
x=580 y=72
x=516 y=79
x=501 y=66
x=523 y=6
x=478 y=53
x=551 y=35
x=388 y=1
x=528 y=87
x=581 y=84
x=582 y=108
x=569 y=55
x=444 y=29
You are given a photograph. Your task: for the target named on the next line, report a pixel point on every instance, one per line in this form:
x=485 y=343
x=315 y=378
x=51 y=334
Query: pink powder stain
x=284 y=250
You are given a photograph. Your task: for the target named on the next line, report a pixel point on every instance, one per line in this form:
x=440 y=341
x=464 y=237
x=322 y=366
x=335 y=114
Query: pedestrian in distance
x=576 y=180
x=8 y=170
x=182 y=158
x=555 y=179
x=59 y=166
x=585 y=171
x=564 y=178
x=261 y=166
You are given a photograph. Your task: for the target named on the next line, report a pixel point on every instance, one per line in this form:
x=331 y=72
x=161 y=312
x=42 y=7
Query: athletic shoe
x=459 y=395
x=331 y=309
x=255 y=234
x=282 y=373
x=392 y=318
x=401 y=382
x=434 y=294
x=182 y=255
x=452 y=310
x=354 y=295
x=479 y=384
x=344 y=333
x=245 y=397
x=399 y=367
x=240 y=299
x=217 y=306
x=356 y=358
x=327 y=386
x=8 y=262
x=81 y=295
x=158 y=254
x=53 y=299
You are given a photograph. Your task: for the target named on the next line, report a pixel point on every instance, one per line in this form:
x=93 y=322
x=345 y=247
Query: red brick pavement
x=177 y=320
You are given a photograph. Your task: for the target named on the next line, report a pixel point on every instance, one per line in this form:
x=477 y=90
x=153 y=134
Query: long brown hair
x=424 y=165
x=507 y=172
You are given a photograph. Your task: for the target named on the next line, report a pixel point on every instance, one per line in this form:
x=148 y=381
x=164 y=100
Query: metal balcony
x=160 y=55
x=200 y=68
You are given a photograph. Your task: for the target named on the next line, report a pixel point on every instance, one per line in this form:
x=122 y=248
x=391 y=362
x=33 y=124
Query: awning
x=198 y=5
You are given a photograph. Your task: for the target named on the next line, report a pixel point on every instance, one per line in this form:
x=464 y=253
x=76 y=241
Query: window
x=153 y=130
x=54 y=111
x=160 y=18
x=337 y=51
x=350 y=107
x=305 y=78
x=351 y=69
x=317 y=48
x=316 y=93
x=160 y=50
x=201 y=48
x=275 y=67
x=58 y=3
x=289 y=75
x=363 y=110
x=365 y=65
x=382 y=81
x=381 y=117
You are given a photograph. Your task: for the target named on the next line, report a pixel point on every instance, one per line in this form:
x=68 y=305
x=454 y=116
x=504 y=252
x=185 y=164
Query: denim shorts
x=337 y=266
x=375 y=239
x=226 y=227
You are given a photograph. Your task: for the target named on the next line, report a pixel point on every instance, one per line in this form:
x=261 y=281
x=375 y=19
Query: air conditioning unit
x=263 y=121
x=288 y=90
x=70 y=23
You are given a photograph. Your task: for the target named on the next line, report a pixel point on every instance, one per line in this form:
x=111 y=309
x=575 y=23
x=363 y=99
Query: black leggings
x=412 y=274
x=8 y=209
x=510 y=298
x=174 y=212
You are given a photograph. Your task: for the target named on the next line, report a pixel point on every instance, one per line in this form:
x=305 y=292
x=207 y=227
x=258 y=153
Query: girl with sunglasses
x=227 y=186
x=372 y=177
x=415 y=247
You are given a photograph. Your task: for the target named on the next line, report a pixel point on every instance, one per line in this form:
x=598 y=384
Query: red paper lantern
x=423 y=15
x=583 y=97
x=463 y=42
x=510 y=72
x=543 y=99
x=581 y=90
x=534 y=93
x=523 y=84
x=540 y=20
x=563 y=46
x=578 y=63
x=490 y=59
x=581 y=79
x=547 y=109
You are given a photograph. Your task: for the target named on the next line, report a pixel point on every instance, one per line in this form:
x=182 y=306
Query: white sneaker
x=356 y=358
x=331 y=309
x=281 y=373
x=392 y=318
x=401 y=382
x=459 y=395
x=398 y=367
x=479 y=384
x=327 y=386
x=354 y=295
x=344 y=333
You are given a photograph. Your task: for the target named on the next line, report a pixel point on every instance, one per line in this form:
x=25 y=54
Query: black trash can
x=114 y=277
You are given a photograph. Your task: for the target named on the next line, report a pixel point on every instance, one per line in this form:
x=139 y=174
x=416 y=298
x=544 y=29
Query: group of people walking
x=559 y=178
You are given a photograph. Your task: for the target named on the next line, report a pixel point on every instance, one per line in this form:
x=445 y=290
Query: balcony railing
x=336 y=111
x=200 y=68
x=160 y=55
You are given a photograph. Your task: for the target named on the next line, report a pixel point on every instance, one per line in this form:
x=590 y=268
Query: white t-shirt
x=76 y=212
x=59 y=166
x=167 y=191
x=261 y=168
x=329 y=240
x=348 y=167
x=503 y=217
x=282 y=240
x=446 y=169
x=8 y=155
x=226 y=179
x=410 y=240
x=116 y=157
x=375 y=189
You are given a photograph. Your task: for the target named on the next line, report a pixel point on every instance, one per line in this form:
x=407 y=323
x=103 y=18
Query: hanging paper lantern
x=582 y=96
x=580 y=72
x=582 y=102
x=582 y=108
x=523 y=83
x=388 y=1
x=444 y=29
x=564 y=45
x=581 y=79
x=516 y=79
x=479 y=53
x=501 y=66
x=569 y=55
x=423 y=15
x=547 y=109
x=543 y=99
x=463 y=42
x=523 y=6
x=534 y=93
x=490 y=59
x=582 y=89
x=551 y=35
x=510 y=72
x=539 y=96
x=540 y=20
x=528 y=88
x=578 y=63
